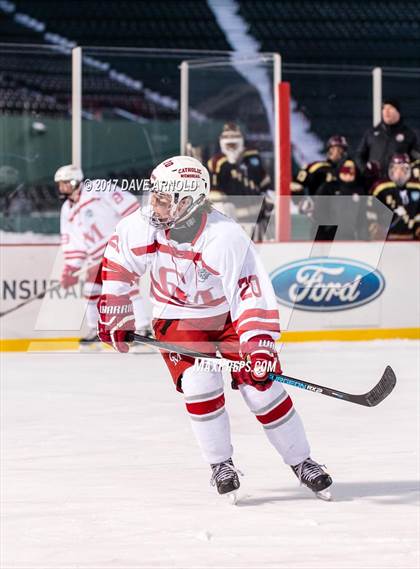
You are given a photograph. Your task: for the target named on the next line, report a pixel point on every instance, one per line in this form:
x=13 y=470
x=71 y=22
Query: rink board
x=389 y=307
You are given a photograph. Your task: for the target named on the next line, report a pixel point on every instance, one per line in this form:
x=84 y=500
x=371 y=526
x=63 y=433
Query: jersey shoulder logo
x=202 y=275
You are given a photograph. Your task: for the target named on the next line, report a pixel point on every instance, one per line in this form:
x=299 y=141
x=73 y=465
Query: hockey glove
x=306 y=206
x=68 y=277
x=116 y=321
x=261 y=357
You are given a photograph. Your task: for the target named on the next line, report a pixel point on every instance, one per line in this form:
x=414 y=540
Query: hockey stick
x=370 y=399
x=44 y=292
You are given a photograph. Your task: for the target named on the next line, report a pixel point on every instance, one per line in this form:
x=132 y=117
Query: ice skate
x=225 y=478
x=146 y=331
x=90 y=342
x=312 y=475
x=138 y=348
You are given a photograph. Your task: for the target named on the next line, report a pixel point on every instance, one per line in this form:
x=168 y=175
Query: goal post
x=376 y=95
x=76 y=107
x=247 y=90
x=284 y=162
x=183 y=105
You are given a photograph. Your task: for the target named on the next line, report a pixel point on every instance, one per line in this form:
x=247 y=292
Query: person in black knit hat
x=391 y=136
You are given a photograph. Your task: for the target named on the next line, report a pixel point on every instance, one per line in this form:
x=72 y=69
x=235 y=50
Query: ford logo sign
x=326 y=284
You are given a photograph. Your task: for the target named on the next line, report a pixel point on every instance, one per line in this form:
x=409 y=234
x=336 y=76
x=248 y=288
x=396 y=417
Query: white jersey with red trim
x=218 y=272
x=87 y=225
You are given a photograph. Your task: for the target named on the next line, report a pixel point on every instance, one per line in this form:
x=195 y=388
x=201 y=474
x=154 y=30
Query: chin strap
x=188 y=223
x=194 y=208
x=186 y=231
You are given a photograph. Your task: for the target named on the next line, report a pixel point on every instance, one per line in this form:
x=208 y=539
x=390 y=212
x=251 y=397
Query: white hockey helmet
x=231 y=142
x=69 y=173
x=181 y=184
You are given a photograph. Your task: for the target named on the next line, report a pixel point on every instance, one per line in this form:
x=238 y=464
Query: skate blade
x=324 y=495
x=93 y=347
x=231 y=497
x=138 y=349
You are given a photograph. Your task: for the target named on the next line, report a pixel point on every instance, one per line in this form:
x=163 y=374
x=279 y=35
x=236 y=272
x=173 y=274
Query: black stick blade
x=382 y=389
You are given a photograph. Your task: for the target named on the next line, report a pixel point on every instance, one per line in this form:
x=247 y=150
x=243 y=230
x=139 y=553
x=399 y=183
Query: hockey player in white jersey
x=88 y=218
x=210 y=291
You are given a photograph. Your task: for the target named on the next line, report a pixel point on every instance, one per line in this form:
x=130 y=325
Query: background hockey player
x=349 y=214
x=88 y=218
x=400 y=193
x=239 y=171
x=209 y=289
x=312 y=176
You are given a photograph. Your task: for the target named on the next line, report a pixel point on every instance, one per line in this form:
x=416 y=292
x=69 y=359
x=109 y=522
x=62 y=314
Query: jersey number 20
x=249 y=287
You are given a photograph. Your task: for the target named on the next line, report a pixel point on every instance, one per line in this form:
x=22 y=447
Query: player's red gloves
x=116 y=321
x=261 y=356
x=68 y=277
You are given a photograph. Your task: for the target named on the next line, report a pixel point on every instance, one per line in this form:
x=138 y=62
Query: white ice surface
x=99 y=468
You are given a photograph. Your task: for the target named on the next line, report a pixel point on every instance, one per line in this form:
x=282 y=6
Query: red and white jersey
x=218 y=272
x=87 y=225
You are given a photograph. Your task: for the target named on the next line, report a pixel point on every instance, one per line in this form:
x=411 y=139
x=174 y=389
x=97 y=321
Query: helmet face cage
x=232 y=147
x=399 y=170
x=336 y=148
x=174 y=215
x=182 y=183
x=232 y=142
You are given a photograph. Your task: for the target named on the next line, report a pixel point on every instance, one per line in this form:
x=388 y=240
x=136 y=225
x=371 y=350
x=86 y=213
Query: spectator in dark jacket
x=391 y=136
